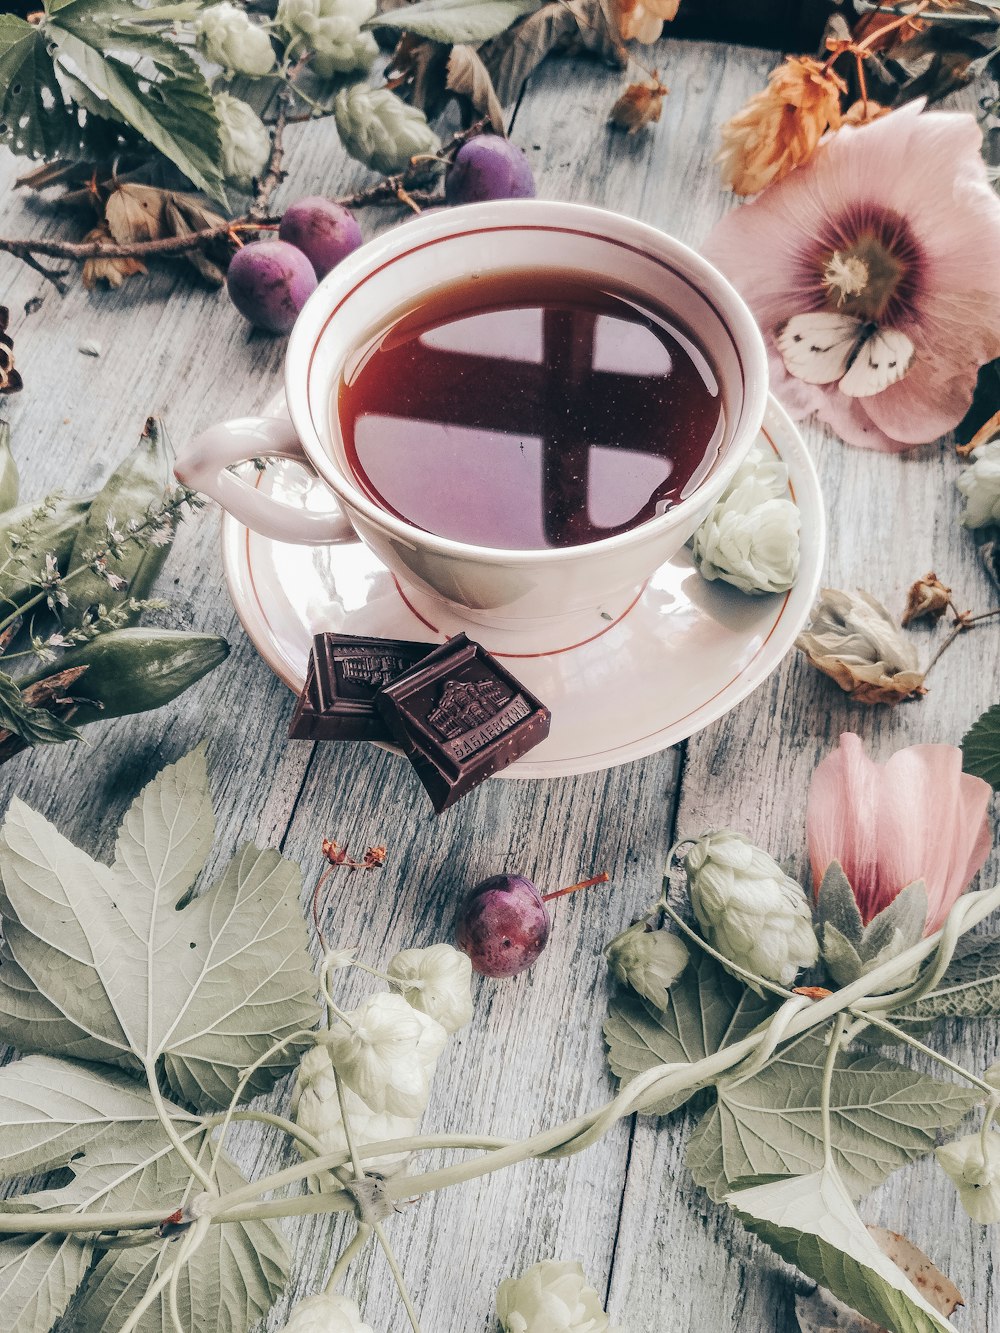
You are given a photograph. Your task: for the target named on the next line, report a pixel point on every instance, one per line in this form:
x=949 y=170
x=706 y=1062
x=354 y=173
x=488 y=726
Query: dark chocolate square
x=344 y=675
x=460 y=716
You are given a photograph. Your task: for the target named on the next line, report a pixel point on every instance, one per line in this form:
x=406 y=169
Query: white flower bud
x=749 y=909
x=228 y=38
x=551 y=1297
x=980 y=484
x=751 y=537
x=246 y=143
x=316 y=1109
x=976 y=1177
x=386 y=1052
x=325 y=1313
x=380 y=129
x=330 y=30
x=437 y=981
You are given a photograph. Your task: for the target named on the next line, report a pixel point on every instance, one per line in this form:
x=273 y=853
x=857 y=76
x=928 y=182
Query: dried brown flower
x=643 y=20
x=812 y=992
x=10 y=378
x=110 y=270
x=780 y=127
x=640 y=104
x=928 y=599
x=853 y=640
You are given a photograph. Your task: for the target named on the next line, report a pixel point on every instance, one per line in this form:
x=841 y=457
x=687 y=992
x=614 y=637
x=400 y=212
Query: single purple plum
x=325 y=232
x=489 y=167
x=269 y=282
x=503 y=925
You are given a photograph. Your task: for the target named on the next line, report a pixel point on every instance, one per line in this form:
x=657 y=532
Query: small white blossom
x=331 y=31
x=316 y=1109
x=751 y=537
x=437 y=981
x=749 y=909
x=386 y=1052
x=551 y=1297
x=326 y=1313
x=246 y=144
x=980 y=484
x=228 y=38
x=977 y=1178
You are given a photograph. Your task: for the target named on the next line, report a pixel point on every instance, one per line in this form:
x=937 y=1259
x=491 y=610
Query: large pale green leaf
x=131 y=968
x=232 y=1281
x=970 y=987
x=708 y=1009
x=882 y=1116
x=455 y=21
x=811 y=1222
x=52 y=1109
x=147 y=80
x=981 y=747
x=134 y=491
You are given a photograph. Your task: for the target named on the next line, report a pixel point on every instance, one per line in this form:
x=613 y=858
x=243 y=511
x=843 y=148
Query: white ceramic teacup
x=552 y=594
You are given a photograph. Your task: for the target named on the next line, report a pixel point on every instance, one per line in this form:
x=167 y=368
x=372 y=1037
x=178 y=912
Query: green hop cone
x=227 y=37
x=648 y=961
x=381 y=130
x=246 y=143
x=754 y=914
x=330 y=32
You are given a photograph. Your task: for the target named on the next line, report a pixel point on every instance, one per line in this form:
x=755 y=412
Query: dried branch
x=273 y=173
x=390 y=190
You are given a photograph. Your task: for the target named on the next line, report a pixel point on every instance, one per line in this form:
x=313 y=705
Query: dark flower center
x=870 y=265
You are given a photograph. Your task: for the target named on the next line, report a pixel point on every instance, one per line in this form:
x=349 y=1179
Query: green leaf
x=34 y=118
x=37 y=726
x=882 y=1116
x=981 y=748
x=134 y=492
x=10 y=481
x=231 y=1282
x=970 y=987
x=133 y=970
x=708 y=1009
x=147 y=80
x=29 y=533
x=810 y=1221
x=52 y=1109
x=455 y=21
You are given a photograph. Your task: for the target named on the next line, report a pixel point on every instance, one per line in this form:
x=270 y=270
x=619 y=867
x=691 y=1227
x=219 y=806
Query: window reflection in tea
x=530 y=410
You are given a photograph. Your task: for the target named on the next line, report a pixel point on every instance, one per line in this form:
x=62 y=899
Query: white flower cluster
x=380 y=129
x=751 y=537
x=246 y=143
x=980 y=484
x=327 y=1313
x=227 y=37
x=749 y=909
x=551 y=1297
x=330 y=31
x=385 y=1052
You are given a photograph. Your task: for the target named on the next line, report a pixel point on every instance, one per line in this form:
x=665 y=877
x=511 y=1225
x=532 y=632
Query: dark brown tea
x=530 y=410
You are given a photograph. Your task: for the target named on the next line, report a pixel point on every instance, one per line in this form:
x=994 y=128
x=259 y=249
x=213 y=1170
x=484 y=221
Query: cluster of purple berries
x=270 y=281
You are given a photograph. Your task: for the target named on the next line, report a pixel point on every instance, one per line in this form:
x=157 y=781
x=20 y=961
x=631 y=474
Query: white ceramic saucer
x=683 y=654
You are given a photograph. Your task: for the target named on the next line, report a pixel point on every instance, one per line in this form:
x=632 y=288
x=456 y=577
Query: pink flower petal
x=917 y=817
x=771 y=250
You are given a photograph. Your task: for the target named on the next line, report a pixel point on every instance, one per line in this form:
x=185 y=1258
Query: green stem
x=751 y=978
x=397 y=1274
x=169 y=1128
x=836 y=1036
x=902 y=1035
x=361 y=1238
x=187 y=1247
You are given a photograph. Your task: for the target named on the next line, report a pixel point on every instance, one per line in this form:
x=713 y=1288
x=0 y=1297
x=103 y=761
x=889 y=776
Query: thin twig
x=273 y=174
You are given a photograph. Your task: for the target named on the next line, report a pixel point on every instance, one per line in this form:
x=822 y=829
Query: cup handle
x=204 y=464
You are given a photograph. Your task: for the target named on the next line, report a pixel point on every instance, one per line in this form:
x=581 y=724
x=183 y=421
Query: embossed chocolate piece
x=460 y=717
x=345 y=674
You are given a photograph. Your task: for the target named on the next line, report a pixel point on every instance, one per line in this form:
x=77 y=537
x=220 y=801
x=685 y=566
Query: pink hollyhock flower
x=916 y=817
x=888 y=239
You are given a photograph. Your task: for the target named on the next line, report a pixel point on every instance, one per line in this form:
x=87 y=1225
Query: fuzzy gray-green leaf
x=708 y=1009
x=837 y=906
x=970 y=988
x=883 y=1115
x=455 y=21
x=135 y=973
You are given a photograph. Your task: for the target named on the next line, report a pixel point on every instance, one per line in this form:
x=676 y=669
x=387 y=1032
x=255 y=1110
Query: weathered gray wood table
x=667 y=1258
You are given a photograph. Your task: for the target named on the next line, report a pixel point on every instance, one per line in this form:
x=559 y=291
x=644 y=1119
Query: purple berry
x=489 y=167
x=269 y=282
x=503 y=925
x=325 y=232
